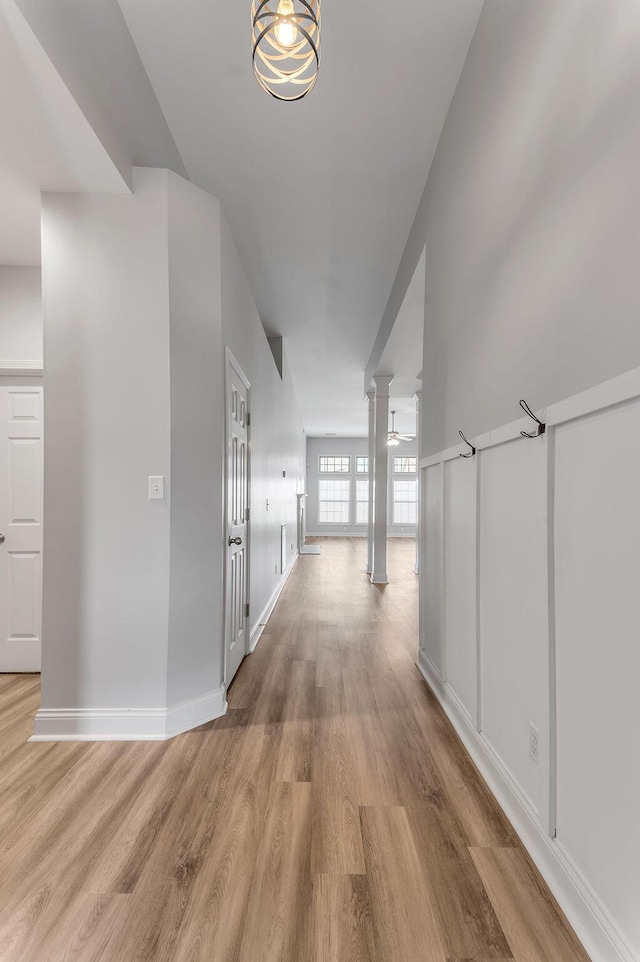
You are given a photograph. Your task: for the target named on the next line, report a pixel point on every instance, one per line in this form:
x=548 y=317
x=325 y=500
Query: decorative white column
x=371 y=467
x=417 y=397
x=380 y=479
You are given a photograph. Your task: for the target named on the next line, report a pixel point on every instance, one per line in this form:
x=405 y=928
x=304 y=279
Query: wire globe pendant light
x=286 y=46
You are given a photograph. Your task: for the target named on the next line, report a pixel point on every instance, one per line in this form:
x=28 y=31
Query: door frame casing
x=231 y=362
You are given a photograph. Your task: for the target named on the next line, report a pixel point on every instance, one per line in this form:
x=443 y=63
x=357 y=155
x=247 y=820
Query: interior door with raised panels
x=237 y=563
x=20 y=528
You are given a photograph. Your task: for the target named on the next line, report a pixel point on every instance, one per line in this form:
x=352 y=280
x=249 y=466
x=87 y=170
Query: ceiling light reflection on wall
x=286 y=46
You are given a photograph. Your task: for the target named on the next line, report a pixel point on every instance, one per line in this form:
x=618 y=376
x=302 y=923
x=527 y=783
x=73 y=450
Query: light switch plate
x=156 y=488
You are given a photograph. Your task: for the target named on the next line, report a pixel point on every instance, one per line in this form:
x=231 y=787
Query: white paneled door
x=237 y=554
x=20 y=528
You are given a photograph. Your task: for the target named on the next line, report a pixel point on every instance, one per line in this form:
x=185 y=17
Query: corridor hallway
x=330 y=816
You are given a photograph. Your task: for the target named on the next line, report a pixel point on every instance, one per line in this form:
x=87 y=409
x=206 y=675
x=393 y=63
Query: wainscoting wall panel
x=461 y=616
x=514 y=610
x=530 y=638
x=432 y=615
x=597 y=549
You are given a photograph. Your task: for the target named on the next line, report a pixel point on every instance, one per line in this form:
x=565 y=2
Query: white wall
x=107 y=414
x=350 y=447
x=598 y=655
x=141 y=295
x=514 y=656
x=432 y=640
x=460 y=479
x=20 y=314
x=531 y=220
x=92 y=49
x=134 y=387
x=531 y=216
x=532 y=548
x=197 y=443
x=277 y=441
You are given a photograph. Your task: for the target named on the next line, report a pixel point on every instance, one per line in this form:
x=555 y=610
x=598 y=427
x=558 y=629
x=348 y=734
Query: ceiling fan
x=394 y=436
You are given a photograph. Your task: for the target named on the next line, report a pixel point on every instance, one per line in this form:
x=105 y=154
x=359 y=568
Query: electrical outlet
x=534 y=747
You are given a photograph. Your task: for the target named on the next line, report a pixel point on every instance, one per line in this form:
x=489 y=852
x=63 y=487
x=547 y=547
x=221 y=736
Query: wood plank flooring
x=331 y=816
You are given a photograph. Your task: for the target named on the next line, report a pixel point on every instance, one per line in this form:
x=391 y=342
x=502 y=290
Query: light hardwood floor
x=331 y=816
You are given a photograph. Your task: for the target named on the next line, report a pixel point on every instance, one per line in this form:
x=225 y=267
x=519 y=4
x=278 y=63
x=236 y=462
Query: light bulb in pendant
x=286 y=31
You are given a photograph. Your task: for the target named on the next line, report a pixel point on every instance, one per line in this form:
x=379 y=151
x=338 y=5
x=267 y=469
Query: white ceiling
x=320 y=194
x=46 y=142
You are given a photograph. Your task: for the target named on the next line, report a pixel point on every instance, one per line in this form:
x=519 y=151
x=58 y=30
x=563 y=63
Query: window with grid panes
x=333 y=501
x=405 y=465
x=331 y=465
x=362 y=501
x=405 y=501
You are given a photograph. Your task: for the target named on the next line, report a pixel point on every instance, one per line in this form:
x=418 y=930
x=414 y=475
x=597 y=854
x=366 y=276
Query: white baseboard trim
x=357 y=534
x=309 y=549
x=120 y=724
x=261 y=624
x=189 y=714
x=335 y=534
x=464 y=711
x=434 y=677
x=602 y=939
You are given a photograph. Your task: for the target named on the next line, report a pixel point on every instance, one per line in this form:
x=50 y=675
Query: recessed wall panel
x=431 y=639
x=514 y=643
x=460 y=580
x=597 y=561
